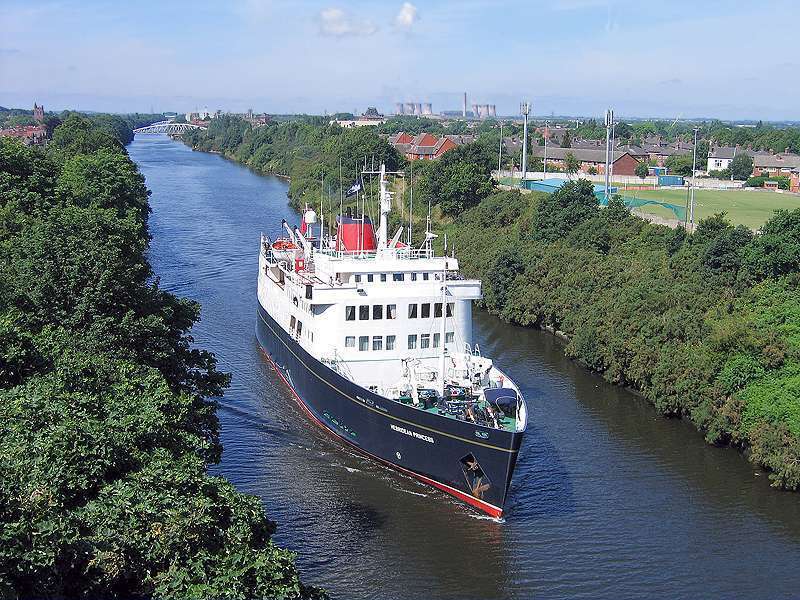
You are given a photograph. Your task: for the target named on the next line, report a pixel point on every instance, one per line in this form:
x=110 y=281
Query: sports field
x=745 y=207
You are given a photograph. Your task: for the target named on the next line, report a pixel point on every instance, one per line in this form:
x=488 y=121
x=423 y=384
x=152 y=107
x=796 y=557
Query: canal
x=609 y=500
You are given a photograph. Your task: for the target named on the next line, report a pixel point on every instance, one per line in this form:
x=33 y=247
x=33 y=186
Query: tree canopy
x=108 y=409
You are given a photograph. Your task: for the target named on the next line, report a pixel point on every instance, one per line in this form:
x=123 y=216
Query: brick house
x=622 y=162
x=775 y=165
x=426 y=146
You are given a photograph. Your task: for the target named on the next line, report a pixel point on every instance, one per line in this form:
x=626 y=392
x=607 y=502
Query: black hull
x=437 y=450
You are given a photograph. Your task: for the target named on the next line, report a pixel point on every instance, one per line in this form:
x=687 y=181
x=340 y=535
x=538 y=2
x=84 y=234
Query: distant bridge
x=168 y=127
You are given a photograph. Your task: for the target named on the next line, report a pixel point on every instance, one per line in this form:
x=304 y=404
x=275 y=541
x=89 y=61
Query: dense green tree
x=571 y=164
x=642 y=170
x=107 y=408
x=741 y=166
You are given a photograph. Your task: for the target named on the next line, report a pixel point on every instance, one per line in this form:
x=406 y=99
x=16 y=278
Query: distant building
x=775 y=165
x=720 y=158
x=622 y=162
x=31 y=135
x=370 y=117
x=38 y=113
x=426 y=146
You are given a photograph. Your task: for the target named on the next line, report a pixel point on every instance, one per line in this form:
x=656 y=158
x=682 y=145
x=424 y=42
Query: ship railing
x=399 y=253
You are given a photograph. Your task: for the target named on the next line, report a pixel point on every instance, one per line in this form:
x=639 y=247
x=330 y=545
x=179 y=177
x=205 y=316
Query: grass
x=746 y=207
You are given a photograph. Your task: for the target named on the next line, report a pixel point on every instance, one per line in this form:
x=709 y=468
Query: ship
x=373 y=336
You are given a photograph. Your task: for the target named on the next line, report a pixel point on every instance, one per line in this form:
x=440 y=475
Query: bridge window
x=383 y=277
x=412 y=342
x=349 y=313
x=363 y=343
x=390 y=342
x=413 y=277
x=398 y=277
x=358 y=278
x=425 y=340
x=450 y=308
x=449 y=337
x=363 y=312
x=425 y=310
x=391 y=311
x=370 y=278
x=425 y=277
x=437 y=310
x=377 y=342
x=412 y=311
x=377 y=311
x=437 y=338
x=350 y=341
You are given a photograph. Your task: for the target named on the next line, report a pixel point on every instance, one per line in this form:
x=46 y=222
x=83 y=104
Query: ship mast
x=443 y=329
x=386 y=206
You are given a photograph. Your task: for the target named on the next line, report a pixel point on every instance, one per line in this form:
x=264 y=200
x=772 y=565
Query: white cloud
x=335 y=22
x=407 y=16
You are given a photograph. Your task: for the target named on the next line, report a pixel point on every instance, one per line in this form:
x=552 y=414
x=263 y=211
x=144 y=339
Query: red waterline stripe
x=489 y=509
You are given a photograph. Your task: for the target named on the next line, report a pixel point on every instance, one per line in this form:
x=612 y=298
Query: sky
x=669 y=59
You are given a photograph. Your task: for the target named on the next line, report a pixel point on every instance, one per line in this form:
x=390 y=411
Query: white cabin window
x=292 y=323
x=425 y=310
x=398 y=277
x=377 y=311
x=390 y=342
x=391 y=311
x=299 y=328
x=350 y=341
x=424 y=277
x=349 y=313
x=363 y=312
x=370 y=278
x=437 y=338
x=450 y=308
x=413 y=277
x=358 y=278
x=437 y=310
x=377 y=342
x=412 y=311
x=363 y=343
x=449 y=337
x=383 y=277
x=412 y=342
x=425 y=340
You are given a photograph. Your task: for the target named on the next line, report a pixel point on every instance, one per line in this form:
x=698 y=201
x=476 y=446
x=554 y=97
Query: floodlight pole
x=609 y=124
x=694 y=167
x=500 y=153
x=546 y=135
x=525 y=108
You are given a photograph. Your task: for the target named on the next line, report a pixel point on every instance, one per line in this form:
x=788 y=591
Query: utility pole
x=525 y=108
x=694 y=167
x=609 y=124
x=546 y=135
x=500 y=153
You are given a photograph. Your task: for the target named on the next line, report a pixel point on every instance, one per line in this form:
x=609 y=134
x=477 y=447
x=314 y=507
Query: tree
x=642 y=170
x=566 y=141
x=741 y=166
x=560 y=212
x=571 y=164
